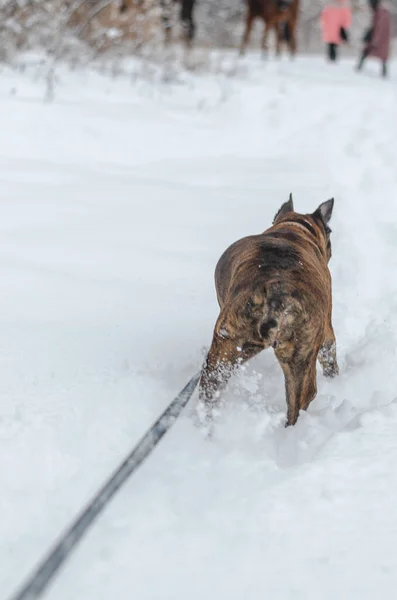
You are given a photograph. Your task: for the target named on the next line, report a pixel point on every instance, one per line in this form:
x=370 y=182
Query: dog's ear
x=324 y=211
x=286 y=208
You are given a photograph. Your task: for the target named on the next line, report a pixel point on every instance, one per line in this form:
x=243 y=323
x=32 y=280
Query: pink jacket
x=334 y=16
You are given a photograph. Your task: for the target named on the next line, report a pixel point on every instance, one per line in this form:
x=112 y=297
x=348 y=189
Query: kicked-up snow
x=117 y=200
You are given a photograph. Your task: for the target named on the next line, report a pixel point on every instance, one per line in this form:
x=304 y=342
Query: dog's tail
x=269 y=329
x=282 y=316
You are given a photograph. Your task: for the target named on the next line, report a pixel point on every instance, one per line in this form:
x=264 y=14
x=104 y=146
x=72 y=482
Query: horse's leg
x=247 y=32
x=292 y=40
x=187 y=20
x=264 y=39
x=279 y=39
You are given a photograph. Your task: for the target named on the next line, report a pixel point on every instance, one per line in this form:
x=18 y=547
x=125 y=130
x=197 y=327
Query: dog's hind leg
x=300 y=384
x=213 y=380
x=223 y=359
x=308 y=390
x=291 y=393
x=327 y=354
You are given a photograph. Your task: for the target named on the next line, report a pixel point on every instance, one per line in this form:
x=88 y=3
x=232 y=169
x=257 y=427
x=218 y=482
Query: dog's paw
x=328 y=360
x=331 y=370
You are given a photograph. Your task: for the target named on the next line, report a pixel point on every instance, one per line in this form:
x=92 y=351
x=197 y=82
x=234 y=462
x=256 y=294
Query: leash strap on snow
x=39 y=580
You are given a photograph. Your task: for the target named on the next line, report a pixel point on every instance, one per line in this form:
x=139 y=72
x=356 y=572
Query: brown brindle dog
x=274 y=289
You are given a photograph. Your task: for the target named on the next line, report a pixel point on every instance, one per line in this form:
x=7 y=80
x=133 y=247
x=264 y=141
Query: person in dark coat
x=377 y=39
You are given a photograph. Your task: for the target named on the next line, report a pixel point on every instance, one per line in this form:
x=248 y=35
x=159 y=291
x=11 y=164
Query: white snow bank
x=116 y=202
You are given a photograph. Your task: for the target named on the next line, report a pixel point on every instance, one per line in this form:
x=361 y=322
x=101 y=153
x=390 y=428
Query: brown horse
x=280 y=15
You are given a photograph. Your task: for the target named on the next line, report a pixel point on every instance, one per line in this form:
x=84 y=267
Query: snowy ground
x=116 y=202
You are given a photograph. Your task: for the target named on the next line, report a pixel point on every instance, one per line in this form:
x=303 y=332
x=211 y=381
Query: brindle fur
x=274 y=289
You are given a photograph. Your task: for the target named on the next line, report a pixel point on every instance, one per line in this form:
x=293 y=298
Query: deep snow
x=116 y=201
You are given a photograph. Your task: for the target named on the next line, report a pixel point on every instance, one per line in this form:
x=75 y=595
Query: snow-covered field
x=116 y=201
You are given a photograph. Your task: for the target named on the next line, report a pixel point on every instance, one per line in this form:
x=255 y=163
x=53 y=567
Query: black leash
x=42 y=576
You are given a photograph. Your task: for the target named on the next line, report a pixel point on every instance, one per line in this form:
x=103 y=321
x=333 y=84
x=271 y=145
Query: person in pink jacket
x=335 y=21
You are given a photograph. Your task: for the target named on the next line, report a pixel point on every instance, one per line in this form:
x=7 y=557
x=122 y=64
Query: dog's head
x=316 y=223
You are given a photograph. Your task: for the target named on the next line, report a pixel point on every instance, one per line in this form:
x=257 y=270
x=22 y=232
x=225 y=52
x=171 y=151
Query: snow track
x=116 y=204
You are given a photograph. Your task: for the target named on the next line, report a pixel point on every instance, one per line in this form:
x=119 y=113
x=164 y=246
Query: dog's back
x=284 y=268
